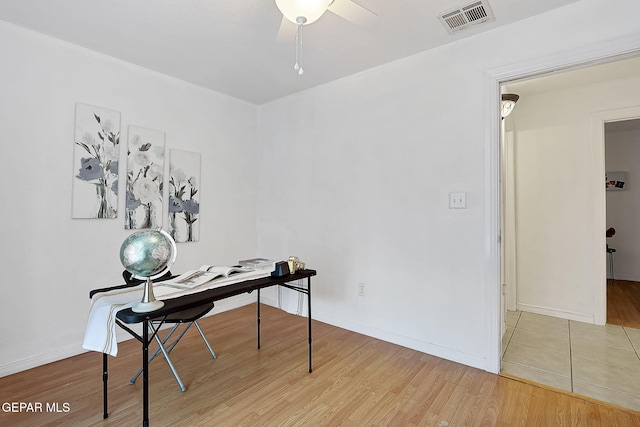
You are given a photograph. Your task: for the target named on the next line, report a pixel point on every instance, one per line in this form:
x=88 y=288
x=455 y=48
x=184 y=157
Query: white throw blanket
x=100 y=334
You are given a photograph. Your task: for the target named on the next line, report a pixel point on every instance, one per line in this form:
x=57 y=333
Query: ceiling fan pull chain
x=298 y=67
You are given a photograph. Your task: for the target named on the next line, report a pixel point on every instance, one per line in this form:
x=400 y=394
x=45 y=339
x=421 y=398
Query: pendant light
x=302 y=12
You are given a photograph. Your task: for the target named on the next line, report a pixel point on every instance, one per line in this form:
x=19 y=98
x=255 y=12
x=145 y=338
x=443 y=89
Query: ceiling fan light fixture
x=508 y=103
x=311 y=10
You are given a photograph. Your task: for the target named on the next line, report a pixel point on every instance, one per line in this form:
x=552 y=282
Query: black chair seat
x=185 y=316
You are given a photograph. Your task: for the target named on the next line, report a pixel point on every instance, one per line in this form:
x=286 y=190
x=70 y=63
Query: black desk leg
x=145 y=373
x=309 y=317
x=105 y=378
x=258 y=317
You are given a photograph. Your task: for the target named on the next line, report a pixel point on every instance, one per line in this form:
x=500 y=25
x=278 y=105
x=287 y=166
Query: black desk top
x=185 y=302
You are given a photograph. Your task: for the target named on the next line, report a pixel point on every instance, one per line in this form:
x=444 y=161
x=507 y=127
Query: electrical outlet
x=361 y=289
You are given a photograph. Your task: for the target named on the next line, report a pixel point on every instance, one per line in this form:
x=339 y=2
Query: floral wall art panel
x=184 y=196
x=145 y=178
x=95 y=162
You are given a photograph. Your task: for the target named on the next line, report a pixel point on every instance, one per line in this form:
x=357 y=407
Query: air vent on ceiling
x=463 y=17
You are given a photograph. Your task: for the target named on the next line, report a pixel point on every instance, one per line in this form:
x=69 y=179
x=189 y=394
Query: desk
x=186 y=302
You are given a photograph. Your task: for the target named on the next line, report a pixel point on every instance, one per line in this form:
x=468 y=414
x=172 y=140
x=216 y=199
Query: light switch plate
x=457 y=200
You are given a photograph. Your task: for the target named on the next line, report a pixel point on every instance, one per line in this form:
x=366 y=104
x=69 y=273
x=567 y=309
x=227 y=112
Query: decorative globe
x=148 y=253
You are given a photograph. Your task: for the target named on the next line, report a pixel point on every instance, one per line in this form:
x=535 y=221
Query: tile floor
x=601 y=362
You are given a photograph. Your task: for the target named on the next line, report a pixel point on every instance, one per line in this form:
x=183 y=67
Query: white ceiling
x=230 y=45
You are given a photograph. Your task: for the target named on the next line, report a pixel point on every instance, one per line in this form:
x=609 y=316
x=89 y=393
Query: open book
x=257 y=263
x=207 y=273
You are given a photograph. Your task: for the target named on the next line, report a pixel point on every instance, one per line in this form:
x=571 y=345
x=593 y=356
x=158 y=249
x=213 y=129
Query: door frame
x=508 y=231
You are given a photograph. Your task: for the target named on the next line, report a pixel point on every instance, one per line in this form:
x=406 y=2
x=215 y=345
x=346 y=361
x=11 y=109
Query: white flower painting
x=184 y=196
x=145 y=177
x=95 y=162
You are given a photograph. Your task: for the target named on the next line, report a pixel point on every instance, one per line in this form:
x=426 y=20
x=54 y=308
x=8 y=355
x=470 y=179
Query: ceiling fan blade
x=352 y=12
x=287 y=32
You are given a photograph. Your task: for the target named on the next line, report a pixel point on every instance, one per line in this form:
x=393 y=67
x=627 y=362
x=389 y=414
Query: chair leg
x=173 y=369
x=156 y=352
x=213 y=354
x=165 y=351
x=611 y=279
x=173 y=344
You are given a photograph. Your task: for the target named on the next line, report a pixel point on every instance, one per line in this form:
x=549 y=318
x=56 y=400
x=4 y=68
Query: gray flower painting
x=96 y=153
x=145 y=177
x=184 y=196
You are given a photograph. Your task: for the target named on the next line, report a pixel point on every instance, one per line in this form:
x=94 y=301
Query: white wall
x=50 y=261
x=623 y=207
x=368 y=163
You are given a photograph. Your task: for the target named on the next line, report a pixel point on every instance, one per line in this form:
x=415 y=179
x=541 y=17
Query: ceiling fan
x=298 y=13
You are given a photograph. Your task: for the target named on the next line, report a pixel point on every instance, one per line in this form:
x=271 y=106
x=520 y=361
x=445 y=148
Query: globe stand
x=149 y=301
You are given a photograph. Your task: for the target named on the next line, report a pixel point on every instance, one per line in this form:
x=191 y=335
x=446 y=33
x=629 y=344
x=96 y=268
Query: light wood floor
x=356 y=381
x=623 y=303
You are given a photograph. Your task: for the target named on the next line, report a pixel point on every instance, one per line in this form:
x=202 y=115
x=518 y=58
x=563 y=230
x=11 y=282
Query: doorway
x=559 y=212
x=622 y=152
x=555 y=265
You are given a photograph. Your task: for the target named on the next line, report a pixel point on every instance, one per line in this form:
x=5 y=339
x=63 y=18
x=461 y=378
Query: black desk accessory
x=282 y=269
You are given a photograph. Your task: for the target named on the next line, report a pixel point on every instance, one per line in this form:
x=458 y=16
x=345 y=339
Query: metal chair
x=185 y=318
